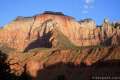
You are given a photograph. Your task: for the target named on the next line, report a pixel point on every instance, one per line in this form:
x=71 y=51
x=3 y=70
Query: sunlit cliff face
x=35 y=43
x=33 y=67
x=24 y=30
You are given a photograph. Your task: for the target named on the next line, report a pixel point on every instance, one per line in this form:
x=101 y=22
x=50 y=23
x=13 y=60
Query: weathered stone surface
x=34 y=61
x=87 y=23
x=56 y=42
x=24 y=31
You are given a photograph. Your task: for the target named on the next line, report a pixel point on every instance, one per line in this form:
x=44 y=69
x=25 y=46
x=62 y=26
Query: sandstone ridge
x=23 y=30
x=51 y=38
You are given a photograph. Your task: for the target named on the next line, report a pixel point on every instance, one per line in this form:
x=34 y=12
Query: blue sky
x=80 y=9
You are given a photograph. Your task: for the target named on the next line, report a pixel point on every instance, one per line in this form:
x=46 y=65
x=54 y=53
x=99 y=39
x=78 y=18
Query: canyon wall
x=31 y=44
x=22 y=31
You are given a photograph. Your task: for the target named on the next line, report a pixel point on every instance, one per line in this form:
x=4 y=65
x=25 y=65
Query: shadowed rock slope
x=29 y=45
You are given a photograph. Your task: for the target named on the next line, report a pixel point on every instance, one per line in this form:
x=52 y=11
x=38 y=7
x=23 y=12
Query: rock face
x=32 y=44
x=21 y=32
x=87 y=23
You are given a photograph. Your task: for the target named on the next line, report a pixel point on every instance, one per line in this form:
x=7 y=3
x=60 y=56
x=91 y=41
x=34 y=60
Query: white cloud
x=88 y=4
x=89 y=1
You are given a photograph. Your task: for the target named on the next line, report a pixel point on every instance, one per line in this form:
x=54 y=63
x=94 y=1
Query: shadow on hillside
x=3 y=66
x=69 y=71
x=41 y=42
x=4 y=70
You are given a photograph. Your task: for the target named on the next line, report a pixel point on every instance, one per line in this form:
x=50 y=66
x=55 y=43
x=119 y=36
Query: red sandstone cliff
x=34 y=43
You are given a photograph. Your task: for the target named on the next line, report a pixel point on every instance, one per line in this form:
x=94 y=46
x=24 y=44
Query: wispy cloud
x=89 y=1
x=88 y=4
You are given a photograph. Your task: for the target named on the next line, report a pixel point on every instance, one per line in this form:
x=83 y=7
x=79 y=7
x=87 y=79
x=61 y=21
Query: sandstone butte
x=55 y=42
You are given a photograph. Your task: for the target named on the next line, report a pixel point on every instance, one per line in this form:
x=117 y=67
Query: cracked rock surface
x=52 y=44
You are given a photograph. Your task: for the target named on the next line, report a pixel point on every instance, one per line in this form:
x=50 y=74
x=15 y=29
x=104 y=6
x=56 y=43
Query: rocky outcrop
x=32 y=44
x=23 y=31
x=87 y=23
x=34 y=61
